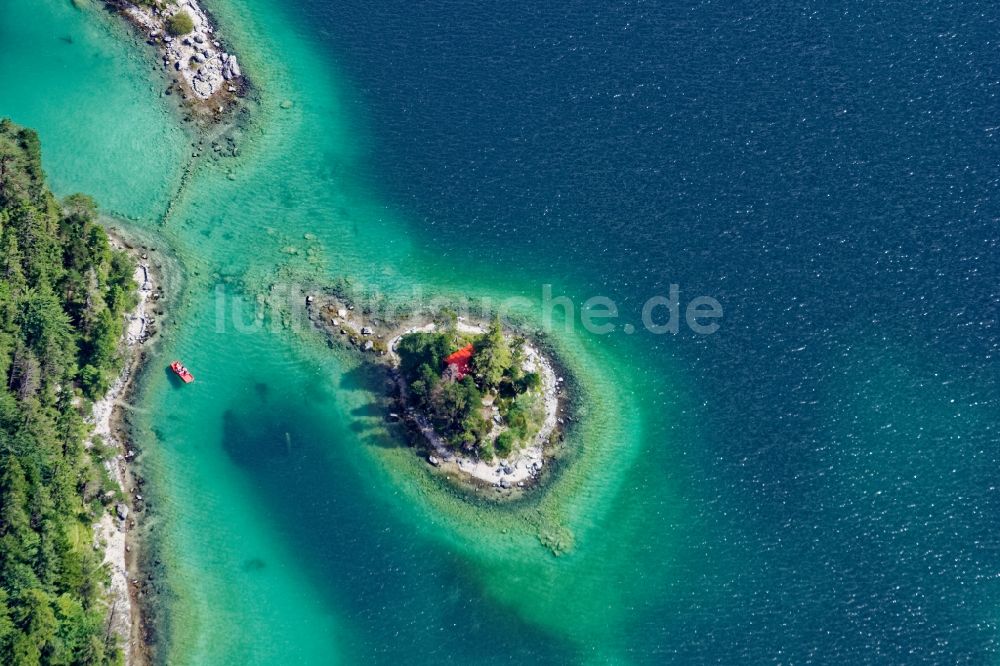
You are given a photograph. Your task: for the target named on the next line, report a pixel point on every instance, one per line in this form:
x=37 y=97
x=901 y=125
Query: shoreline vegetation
x=72 y=322
x=118 y=533
x=202 y=72
x=211 y=91
x=479 y=401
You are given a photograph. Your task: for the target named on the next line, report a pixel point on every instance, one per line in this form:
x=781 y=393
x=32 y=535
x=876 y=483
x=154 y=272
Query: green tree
x=417 y=349
x=493 y=357
x=15 y=182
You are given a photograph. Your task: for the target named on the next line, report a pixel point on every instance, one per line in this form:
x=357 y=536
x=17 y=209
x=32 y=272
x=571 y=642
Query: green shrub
x=486 y=451
x=180 y=24
x=531 y=381
x=505 y=443
x=525 y=416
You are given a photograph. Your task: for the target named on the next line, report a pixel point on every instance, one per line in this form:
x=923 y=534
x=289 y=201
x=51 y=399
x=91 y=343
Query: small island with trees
x=480 y=401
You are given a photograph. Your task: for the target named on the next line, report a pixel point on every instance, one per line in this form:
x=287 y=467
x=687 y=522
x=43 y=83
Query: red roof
x=460 y=360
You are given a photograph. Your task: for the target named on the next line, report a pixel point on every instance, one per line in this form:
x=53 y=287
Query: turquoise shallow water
x=56 y=62
x=814 y=483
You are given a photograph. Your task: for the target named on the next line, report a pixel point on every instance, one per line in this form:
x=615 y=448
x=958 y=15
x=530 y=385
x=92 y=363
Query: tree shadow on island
x=372 y=421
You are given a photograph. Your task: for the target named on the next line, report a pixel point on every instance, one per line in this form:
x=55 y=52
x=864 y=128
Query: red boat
x=182 y=372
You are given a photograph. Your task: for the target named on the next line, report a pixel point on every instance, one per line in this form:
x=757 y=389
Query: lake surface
x=817 y=481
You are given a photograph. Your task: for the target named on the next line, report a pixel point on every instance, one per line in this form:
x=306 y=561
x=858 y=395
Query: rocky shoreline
x=204 y=73
x=376 y=339
x=117 y=534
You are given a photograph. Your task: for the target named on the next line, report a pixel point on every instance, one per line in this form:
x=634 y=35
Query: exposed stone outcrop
x=207 y=70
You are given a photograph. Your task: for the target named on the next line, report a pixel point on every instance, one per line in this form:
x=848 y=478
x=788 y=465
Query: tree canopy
x=493 y=358
x=63 y=292
x=456 y=406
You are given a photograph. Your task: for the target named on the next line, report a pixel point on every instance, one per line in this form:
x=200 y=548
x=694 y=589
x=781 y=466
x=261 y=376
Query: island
x=478 y=400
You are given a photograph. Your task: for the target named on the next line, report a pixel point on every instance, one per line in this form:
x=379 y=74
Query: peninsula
x=204 y=73
x=72 y=322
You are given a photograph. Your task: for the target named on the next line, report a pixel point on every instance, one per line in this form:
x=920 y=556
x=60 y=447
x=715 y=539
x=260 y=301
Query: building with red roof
x=460 y=361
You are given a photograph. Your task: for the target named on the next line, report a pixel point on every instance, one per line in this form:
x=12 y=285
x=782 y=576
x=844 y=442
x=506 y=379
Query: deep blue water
x=827 y=171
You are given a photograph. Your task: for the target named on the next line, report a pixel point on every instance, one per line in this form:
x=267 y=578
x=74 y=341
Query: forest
x=64 y=292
